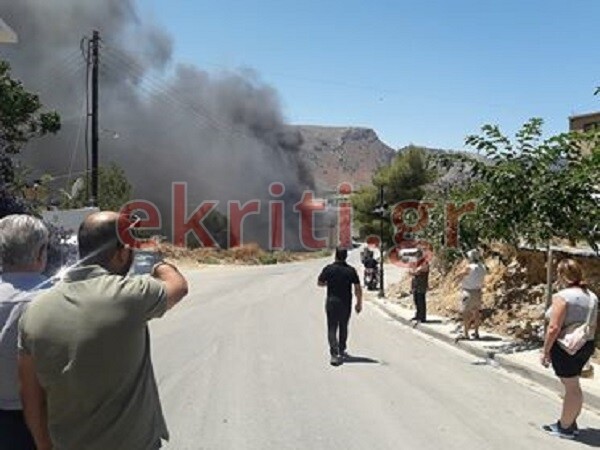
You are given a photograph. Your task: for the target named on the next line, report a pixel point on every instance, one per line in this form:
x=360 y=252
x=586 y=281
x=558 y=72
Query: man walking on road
x=339 y=278
x=85 y=366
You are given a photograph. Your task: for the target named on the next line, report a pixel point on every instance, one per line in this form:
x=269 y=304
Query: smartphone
x=144 y=261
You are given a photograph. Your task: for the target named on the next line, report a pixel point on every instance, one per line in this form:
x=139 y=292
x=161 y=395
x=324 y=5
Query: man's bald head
x=98 y=236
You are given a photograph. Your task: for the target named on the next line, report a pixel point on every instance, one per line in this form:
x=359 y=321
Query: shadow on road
x=359 y=360
x=480 y=363
x=515 y=347
x=488 y=339
x=589 y=436
x=461 y=337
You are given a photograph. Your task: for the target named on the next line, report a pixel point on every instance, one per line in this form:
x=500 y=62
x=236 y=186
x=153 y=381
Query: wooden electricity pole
x=95 y=43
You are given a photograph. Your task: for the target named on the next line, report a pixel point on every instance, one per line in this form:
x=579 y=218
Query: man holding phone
x=84 y=365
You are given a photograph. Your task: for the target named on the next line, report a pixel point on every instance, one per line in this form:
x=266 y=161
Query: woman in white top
x=473 y=277
x=575 y=304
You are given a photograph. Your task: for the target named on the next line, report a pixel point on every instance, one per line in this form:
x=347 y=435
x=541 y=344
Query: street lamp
x=381 y=211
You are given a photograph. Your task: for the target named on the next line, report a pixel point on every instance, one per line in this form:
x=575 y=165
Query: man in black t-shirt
x=339 y=278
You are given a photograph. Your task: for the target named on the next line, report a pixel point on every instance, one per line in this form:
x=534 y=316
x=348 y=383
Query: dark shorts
x=569 y=366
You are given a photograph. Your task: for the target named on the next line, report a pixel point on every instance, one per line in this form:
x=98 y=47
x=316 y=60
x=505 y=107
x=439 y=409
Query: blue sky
x=424 y=72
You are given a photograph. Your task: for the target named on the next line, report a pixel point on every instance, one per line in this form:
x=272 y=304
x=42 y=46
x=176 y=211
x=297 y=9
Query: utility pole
x=95 y=43
x=549 y=282
x=381 y=281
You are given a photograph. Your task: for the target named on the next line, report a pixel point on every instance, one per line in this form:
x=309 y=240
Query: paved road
x=243 y=365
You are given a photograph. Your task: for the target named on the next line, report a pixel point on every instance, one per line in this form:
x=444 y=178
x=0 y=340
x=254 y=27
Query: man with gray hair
x=23 y=247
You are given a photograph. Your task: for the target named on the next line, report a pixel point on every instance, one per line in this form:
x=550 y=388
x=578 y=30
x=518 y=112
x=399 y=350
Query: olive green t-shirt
x=89 y=340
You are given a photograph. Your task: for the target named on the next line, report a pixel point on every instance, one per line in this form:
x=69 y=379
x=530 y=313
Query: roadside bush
x=268 y=258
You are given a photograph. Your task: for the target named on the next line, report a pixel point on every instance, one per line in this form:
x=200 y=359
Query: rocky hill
x=342 y=154
x=452 y=166
x=353 y=154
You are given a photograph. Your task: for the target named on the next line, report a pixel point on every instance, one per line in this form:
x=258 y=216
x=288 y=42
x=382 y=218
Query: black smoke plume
x=223 y=133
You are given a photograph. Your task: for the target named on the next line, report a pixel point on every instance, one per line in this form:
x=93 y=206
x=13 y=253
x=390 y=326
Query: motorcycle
x=371 y=277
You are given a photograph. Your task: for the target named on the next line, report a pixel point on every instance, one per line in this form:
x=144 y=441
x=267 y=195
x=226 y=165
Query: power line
x=168 y=91
x=74 y=151
x=156 y=96
x=65 y=67
x=67 y=176
x=162 y=98
x=313 y=80
x=85 y=110
x=149 y=87
x=199 y=111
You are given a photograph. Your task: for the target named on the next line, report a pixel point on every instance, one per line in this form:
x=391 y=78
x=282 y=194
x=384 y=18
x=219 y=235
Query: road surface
x=243 y=364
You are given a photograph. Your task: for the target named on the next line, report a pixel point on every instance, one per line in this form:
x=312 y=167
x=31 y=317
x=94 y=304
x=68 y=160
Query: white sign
x=7 y=35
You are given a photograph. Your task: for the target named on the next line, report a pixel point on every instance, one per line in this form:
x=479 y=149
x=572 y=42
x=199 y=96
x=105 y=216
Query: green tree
x=469 y=231
x=364 y=201
x=21 y=119
x=404 y=179
x=537 y=189
x=114 y=190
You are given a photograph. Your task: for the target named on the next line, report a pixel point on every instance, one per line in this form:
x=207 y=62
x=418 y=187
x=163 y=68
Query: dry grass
x=250 y=254
x=514 y=297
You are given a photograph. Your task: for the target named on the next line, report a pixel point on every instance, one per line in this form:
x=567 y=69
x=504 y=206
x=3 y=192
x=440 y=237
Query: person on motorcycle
x=370 y=262
x=370 y=265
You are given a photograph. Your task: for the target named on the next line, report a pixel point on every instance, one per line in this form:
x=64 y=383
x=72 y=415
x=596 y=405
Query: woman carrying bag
x=569 y=342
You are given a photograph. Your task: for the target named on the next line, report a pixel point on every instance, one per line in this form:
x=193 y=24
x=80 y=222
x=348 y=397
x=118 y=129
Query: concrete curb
x=549 y=380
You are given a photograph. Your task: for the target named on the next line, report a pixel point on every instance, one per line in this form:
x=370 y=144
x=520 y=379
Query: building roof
x=583 y=116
